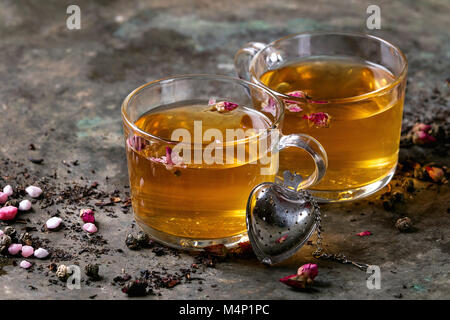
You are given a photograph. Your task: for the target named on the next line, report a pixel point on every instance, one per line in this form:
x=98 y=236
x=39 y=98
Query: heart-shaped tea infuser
x=281 y=219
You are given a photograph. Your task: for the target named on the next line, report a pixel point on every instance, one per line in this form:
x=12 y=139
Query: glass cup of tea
x=196 y=146
x=344 y=89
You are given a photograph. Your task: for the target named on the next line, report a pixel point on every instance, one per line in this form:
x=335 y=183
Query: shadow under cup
x=364 y=113
x=192 y=165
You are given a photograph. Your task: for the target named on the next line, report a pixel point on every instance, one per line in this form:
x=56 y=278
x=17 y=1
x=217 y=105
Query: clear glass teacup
x=344 y=89
x=196 y=146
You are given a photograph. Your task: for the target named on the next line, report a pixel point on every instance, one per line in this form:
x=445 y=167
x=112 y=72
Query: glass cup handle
x=244 y=56
x=315 y=150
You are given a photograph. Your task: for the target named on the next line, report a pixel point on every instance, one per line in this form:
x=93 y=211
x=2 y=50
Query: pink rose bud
x=90 y=227
x=421 y=127
x=53 y=223
x=309 y=270
x=211 y=102
x=87 y=215
x=223 y=106
x=8 y=190
x=230 y=106
x=14 y=248
x=435 y=173
x=304 y=277
x=25 y=205
x=294 y=281
x=8 y=213
x=364 y=233
x=298 y=94
x=137 y=143
x=33 y=191
x=422 y=137
x=27 y=251
x=319 y=119
x=25 y=264
x=292 y=106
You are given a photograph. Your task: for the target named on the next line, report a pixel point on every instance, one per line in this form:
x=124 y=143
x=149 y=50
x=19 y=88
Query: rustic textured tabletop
x=60 y=96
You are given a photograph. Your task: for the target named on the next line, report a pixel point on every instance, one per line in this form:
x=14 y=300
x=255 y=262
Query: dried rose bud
x=217 y=250
x=436 y=174
x=269 y=106
x=245 y=246
x=169 y=156
x=293 y=108
x=421 y=134
x=224 y=106
x=87 y=215
x=292 y=105
x=211 y=102
x=229 y=106
x=294 y=281
x=305 y=276
x=243 y=249
x=137 y=143
x=421 y=127
x=364 y=233
x=297 y=94
x=319 y=119
x=301 y=94
x=309 y=270
x=169 y=160
x=422 y=137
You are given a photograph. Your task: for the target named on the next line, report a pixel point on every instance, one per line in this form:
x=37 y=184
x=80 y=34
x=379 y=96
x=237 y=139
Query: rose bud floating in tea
x=196 y=147
x=347 y=91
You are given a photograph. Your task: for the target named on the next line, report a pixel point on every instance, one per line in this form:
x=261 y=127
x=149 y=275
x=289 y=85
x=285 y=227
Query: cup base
x=190 y=244
x=325 y=196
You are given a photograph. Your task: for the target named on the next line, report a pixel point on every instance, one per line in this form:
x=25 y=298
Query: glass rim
x=397 y=79
x=132 y=94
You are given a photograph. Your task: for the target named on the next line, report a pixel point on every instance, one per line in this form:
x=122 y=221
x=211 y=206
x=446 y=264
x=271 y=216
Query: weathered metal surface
x=61 y=90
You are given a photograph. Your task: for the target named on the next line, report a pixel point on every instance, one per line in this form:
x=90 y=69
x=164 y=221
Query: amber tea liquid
x=362 y=140
x=198 y=201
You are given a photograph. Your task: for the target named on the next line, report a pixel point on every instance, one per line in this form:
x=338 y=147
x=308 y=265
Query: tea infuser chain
x=292 y=181
x=319 y=252
x=281 y=217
